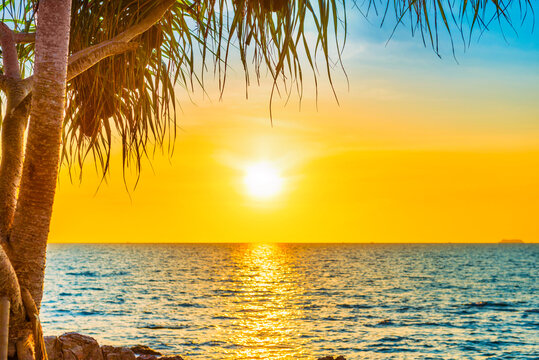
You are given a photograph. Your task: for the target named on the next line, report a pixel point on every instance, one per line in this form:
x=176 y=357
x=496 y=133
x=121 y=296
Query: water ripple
x=299 y=301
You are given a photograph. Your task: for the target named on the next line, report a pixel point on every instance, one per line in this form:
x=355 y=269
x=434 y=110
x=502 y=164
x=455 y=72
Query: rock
x=79 y=347
x=144 y=350
x=53 y=347
x=74 y=346
x=147 y=357
x=117 y=353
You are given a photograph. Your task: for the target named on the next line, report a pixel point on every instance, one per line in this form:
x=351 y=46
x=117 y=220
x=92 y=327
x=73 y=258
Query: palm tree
x=125 y=61
x=31 y=220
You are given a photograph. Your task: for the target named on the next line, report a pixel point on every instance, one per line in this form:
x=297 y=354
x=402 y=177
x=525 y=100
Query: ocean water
x=290 y=301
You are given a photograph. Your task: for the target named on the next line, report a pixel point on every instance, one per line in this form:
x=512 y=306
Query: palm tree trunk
x=13 y=128
x=4 y=327
x=10 y=290
x=28 y=236
x=31 y=223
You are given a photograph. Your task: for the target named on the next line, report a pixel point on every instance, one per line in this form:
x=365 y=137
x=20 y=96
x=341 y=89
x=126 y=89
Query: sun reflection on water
x=267 y=289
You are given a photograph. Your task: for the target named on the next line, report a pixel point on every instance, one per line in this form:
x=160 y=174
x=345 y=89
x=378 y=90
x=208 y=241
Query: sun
x=262 y=180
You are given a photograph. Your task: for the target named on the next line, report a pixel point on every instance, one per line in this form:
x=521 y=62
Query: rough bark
x=28 y=240
x=4 y=326
x=13 y=127
x=32 y=313
x=9 y=288
x=9 y=52
x=25 y=348
x=22 y=38
x=79 y=64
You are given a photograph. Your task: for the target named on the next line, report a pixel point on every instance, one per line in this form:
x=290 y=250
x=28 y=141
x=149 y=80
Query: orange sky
x=420 y=150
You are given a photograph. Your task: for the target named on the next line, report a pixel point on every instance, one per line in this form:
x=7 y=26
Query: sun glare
x=262 y=180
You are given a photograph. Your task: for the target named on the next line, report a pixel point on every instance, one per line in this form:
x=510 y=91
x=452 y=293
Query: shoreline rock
x=144 y=350
x=117 y=353
x=74 y=346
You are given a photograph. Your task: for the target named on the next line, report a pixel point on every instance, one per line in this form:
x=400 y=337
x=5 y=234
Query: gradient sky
x=421 y=149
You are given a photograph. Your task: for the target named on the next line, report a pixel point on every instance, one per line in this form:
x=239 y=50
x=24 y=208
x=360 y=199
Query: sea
x=299 y=301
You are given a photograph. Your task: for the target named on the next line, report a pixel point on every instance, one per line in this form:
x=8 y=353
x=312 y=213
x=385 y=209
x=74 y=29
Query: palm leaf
x=133 y=95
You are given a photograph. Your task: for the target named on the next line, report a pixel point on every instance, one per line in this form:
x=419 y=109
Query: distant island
x=511 y=241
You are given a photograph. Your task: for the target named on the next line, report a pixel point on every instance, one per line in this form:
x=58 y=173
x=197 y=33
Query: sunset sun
x=262 y=180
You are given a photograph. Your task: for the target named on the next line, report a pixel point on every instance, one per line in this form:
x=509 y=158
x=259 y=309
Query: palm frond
x=457 y=19
x=133 y=95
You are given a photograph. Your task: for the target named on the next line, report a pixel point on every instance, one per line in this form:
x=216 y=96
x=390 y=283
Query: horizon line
x=301 y=243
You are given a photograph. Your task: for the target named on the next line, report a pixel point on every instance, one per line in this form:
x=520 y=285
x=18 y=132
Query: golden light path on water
x=297 y=301
x=267 y=290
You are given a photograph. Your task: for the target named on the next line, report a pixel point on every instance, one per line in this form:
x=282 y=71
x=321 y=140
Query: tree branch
x=9 y=52
x=13 y=128
x=23 y=38
x=4 y=82
x=146 y=23
x=84 y=59
x=9 y=286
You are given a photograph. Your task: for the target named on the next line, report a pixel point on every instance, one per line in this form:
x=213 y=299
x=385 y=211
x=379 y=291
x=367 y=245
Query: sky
x=419 y=149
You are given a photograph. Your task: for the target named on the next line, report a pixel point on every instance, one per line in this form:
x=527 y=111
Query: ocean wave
x=91 y=288
x=95 y=274
x=354 y=306
x=188 y=305
x=490 y=305
x=385 y=322
x=487 y=304
x=88 y=312
x=86 y=273
x=224 y=317
x=392 y=338
x=163 y=327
